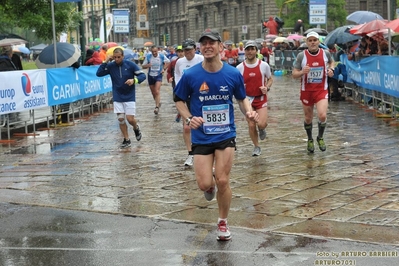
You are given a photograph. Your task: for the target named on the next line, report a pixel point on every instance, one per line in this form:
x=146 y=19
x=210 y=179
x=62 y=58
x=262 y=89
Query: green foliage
x=28 y=65
x=292 y=10
x=36 y=14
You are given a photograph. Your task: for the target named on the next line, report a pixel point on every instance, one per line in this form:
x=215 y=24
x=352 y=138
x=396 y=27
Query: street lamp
x=154 y=6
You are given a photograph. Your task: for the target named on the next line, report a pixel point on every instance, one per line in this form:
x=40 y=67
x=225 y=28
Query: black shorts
x=206 y=149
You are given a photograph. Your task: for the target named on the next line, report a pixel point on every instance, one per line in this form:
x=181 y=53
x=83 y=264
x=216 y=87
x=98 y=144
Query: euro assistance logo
x=35 y=95
x=26 y=84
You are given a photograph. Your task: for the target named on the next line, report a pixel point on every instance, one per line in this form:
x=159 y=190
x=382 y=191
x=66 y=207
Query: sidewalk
x=350 y=192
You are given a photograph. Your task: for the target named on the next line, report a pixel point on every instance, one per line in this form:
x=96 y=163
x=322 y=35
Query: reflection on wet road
x=351 y=191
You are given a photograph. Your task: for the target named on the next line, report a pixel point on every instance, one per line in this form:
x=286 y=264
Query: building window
x=259 y=15
x=385 y=10
x=235 y=15
x=363 y=5
x=246 y=15
x=196 y=21
x=225 y=17
x=215 y=17
x=178 y=34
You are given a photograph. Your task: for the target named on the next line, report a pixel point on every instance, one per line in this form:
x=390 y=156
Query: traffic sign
x=318 y=12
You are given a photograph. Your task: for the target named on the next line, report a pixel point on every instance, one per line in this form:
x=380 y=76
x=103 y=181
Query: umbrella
x=371 y=26
x=362 y=16
x=95 y=45
x=67 y=54
x=270 y=37
x=340 y=36
x=111 y=44
x=38 y=48
x=320 y=31
x=148 y=44
x=127 y=51
x=294 y=37
x=280 y=40
x=380 y=35
x=393 y=25
x=110 y=51
x=21 y=49
x=11 y=41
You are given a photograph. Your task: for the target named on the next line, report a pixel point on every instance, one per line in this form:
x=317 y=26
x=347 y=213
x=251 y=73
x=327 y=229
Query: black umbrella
x=340 y=36
x=320 y=31
x=67 y=55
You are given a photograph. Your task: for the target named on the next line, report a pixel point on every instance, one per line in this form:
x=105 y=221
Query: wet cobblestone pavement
x=350 y=192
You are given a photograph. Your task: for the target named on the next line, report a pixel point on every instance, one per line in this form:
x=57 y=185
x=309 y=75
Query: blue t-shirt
x=211 y=97
x=122 y=92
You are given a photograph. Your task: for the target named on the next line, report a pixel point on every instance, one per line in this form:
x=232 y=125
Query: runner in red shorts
x=258 y=80
x=313 y=66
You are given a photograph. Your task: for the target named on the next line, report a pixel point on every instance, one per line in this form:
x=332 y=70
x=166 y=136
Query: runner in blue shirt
x=211 y=85
x=124 y=75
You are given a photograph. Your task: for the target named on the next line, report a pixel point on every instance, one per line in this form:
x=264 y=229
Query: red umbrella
x=380 y=35
x=371 y=26
x=393 y=25
x=111 y=44
x=353 y=29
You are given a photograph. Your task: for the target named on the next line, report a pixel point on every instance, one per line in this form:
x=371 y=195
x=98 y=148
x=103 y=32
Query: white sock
x=220 y=219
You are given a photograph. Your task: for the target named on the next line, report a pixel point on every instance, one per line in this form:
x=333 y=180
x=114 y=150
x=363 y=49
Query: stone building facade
x=180 y=19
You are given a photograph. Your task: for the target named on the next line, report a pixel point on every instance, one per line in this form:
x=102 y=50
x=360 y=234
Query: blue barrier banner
x=379 y=73
x=66 y=85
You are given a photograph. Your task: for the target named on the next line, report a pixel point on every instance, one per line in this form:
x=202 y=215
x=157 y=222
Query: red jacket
x=95 y=59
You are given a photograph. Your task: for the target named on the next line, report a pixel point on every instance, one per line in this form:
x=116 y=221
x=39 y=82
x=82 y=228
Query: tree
x=292 y=10
x=36 y=15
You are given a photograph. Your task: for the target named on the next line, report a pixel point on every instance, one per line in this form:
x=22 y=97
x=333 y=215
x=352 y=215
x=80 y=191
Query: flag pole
x=54 y=37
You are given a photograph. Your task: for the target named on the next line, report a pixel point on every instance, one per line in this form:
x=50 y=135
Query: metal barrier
x=13 y=121
x=382 y=103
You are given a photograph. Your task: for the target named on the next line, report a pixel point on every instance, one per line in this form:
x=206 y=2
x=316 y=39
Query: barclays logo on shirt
x=214 y=98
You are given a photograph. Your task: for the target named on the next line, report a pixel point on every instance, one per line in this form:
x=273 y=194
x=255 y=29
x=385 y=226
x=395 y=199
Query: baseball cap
x=312 y=34
x=214 y=35
x=251 y=43
x=179 y=48
x=188 y=44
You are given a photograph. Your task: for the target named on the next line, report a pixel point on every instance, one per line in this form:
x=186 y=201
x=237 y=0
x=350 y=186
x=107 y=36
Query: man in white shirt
x=190 y=59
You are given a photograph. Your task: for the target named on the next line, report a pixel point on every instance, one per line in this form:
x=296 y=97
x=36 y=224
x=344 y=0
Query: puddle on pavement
x=42 y=148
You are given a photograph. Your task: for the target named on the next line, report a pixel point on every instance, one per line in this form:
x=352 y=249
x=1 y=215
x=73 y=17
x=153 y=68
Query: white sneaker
x=256 y=151
x=189 y=161
x=223 y=232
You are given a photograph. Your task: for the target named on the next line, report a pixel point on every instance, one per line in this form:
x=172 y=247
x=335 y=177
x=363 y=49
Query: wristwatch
x=188 y=120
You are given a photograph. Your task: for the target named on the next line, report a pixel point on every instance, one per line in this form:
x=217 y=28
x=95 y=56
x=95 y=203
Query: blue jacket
x=122 y=92
x=340 y=69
